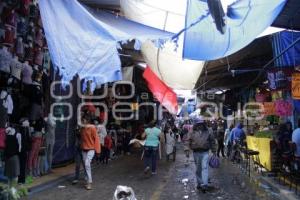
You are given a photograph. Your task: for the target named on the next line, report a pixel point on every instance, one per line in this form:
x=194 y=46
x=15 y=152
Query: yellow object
x=296 y=86
x=263 y=146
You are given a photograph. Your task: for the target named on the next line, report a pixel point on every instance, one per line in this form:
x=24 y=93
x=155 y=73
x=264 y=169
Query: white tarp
x=171 y=68
x=169 y=65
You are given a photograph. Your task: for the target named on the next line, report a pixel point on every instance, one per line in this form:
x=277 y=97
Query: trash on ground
x=124 y=193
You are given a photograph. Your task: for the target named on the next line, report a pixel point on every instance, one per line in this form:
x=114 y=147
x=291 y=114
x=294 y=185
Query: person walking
x=296 y=139
x=89 y=145
x=153 y=135
x=78 y=156
x=237 y=137
x=108 y=144
x=220 y=139
x=200 y=140
x=227 y=142
x=170 y=140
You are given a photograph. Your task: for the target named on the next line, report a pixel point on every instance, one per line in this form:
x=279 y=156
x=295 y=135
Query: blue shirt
x=237 y=134
x=296 y=140
x=152 y=139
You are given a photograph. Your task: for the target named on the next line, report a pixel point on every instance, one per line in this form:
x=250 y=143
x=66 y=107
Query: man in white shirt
x=296 y=139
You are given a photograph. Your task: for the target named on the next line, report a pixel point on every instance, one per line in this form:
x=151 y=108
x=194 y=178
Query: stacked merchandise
x=24 y=88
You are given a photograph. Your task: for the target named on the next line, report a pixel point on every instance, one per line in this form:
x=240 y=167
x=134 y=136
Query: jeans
x=78 y=162
x=201 y=161
x=50 y=155
x=87 y=159
x=106 y=153
x=220 y=147
x=150 y=157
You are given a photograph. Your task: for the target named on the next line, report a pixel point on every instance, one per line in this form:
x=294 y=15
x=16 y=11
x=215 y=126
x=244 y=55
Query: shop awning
x=84 y=42
x=243 y=21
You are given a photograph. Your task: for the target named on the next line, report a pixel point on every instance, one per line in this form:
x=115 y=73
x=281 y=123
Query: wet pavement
x=175 y=180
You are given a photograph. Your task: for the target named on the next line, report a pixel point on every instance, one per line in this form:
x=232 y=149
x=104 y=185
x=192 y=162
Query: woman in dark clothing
x=220 y=138
x=282 y=139
x=289 y=128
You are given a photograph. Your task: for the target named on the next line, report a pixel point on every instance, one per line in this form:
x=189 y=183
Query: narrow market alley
x=173 y=181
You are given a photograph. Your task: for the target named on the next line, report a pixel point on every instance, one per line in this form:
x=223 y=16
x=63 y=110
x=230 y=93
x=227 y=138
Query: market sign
x=269 y=108
x=280 y=79
x=296 y=85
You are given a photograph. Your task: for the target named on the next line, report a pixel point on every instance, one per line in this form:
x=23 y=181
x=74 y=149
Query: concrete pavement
x=228 y=182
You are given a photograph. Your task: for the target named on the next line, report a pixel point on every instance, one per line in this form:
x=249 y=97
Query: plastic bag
x=124 y=193
x=214 y=162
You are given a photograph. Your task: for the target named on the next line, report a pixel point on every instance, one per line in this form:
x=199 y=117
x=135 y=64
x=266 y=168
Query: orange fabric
x=108 y=142
x=90 y=139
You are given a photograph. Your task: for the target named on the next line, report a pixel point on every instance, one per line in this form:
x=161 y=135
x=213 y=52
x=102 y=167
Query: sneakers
x=153 y=173
x=146 y=170
x=74 y=182
x=204 y=188
x=88 y=186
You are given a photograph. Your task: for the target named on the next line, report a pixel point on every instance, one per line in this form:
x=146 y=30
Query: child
x=107 y=147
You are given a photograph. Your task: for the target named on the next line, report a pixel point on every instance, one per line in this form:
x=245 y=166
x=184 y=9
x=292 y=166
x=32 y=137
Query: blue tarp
x=245 y=20
x=85 y=43
x=281 y=41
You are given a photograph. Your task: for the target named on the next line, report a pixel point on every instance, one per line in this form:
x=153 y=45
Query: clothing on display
x=30 y=35
x=3 y=109
x=29 y=52
x=22 y=27
x=34 y=153
x=26 y=147
x=11 y=18
x=27 y=73
x=38 y=57
x=50 y=139
x=7 y=103
x=9 y=37
x=33 y=11
x=5 y=59
x=24 y=7
x=46 y=60
x=16 y=68
x=39 y=39
x=20 y=48
x=12 y=148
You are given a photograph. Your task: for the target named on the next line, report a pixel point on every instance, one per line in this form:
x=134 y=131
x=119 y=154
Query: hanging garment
x=24 y=7
x=22 y=27
x=29 y=53
x=36 y=112
x=5 y=59
x=3 y=109
x=30 y=35
x=11 y=19
x=10 y=104
x=38 y=57
x=27 y=73
x=16 y=68
x=39 y=39
x=20 y=48
x=9 y=37
x=34 y=152
x=12 y=166
x=33 y=11
x=46 y=60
